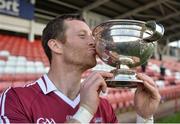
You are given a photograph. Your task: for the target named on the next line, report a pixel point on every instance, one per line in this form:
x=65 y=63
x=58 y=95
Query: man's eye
x=82 y=35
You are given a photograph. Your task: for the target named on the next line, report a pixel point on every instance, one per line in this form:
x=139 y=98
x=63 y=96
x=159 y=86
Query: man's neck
x=67 y=79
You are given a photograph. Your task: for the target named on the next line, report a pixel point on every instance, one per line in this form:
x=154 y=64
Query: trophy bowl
x=125 y=44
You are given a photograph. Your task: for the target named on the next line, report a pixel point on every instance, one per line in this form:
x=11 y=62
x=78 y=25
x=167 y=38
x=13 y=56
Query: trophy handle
x=157 y=29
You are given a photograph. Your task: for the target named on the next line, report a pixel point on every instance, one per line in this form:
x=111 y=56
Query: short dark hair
x=55 y=29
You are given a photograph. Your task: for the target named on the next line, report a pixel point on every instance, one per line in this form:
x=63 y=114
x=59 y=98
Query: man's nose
x=92 y=41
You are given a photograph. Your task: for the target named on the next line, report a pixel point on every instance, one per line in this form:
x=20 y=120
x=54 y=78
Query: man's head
x=68 y=37
x=55 y=29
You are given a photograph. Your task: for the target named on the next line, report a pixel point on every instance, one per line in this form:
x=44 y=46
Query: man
x=59 y=96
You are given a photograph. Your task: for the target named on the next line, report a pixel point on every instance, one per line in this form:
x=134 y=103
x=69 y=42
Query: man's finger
x=104 y=87
x=152 y=89
x=106 y=74
x=100 y=84
x=102 y=73
x=146 y=78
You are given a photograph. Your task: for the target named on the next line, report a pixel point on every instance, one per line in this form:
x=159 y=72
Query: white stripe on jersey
x=3 y=97
x=29 y=84
x=0 y=98
x=1 y=122
x=6 y=119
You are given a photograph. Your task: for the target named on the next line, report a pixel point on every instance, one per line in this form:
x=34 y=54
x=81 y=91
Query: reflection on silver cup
x=125 y=44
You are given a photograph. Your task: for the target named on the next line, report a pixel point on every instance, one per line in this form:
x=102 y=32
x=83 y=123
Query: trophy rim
x=119 y=20
x=124 y=20
x=142 y=24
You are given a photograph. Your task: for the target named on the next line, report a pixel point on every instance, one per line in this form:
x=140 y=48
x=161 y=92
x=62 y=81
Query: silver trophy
x=126 y=44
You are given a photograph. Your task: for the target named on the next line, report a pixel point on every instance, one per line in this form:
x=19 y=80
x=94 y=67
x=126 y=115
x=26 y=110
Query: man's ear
x=55 y=46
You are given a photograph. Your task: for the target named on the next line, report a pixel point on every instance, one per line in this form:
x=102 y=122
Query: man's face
x=79 y=47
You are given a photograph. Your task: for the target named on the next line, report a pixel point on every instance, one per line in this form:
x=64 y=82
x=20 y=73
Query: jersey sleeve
x=113 y=118
x=109 y=112
x=11 y=109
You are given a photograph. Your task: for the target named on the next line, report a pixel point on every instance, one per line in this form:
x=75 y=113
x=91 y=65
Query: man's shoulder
x=27 y=91
x=31 y=87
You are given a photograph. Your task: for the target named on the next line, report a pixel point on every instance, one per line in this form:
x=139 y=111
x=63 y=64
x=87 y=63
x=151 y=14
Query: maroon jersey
x=42 y=102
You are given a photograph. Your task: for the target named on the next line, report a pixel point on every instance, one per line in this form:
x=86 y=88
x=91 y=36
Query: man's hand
x=147 y=97
x=90 y=89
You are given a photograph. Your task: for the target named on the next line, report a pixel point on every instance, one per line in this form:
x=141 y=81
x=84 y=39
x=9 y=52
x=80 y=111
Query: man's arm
x=89 y=96
x=81 y=116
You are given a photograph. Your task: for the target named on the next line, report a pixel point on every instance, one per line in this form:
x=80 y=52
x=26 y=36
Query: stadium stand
x=20 y=60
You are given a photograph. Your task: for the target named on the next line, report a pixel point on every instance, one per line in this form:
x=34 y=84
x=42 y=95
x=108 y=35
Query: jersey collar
x=47 y=86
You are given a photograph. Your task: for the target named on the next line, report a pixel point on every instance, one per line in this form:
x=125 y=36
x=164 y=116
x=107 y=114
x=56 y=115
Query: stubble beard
x=83 y=63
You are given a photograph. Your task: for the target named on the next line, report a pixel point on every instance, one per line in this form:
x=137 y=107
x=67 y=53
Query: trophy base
x=123 y=83
x=123 y=78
